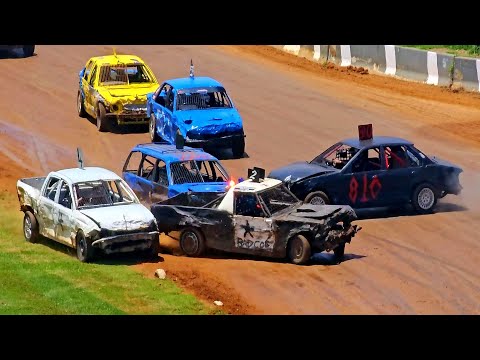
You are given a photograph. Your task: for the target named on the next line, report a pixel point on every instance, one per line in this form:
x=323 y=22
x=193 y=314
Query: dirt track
x=292 y=110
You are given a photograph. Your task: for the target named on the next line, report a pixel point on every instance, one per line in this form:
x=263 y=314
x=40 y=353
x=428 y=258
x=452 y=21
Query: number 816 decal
x=369 y=191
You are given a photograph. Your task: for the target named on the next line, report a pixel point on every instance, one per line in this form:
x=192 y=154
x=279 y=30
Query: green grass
x=44 y=278
x=469 y=50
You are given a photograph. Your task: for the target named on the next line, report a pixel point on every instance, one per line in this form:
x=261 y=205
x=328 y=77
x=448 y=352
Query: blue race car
x=200 y=109
x=156 y=172
x=372 y=172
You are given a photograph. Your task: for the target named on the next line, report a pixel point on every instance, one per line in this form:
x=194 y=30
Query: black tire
x=317 y=198
x=85 y=250
x=299 y=250
x=28 y=50
x=424 y=198
x=152 y=130
x=80 y=106
x=192 y=242
x=154 y=249
x=102 y=121
x=238 y=147
x=30 y=227
x=339 y=252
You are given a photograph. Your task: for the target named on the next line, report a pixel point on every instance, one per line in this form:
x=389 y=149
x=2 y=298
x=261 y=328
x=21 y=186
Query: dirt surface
x=292 y=110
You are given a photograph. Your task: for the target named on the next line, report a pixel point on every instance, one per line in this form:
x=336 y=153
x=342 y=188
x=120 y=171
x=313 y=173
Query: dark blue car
x=378 y=172
x=156 y=172
x=200 y=109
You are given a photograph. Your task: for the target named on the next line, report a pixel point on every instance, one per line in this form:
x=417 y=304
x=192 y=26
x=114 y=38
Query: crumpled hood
x=120 y=217
x=313 y=213
x=132 y=93
x=299 y=170
x=210 y=121
x=201 y=187
x=445 y=163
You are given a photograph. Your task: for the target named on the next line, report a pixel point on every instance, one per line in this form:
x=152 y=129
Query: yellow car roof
x=117 y=59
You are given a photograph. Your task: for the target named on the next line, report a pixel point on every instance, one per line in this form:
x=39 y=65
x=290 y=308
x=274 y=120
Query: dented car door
x=253 y=230
x=63 y=215
x=46 y=205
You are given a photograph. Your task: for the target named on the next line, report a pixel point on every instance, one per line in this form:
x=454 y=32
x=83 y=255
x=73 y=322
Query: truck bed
x=28 y=191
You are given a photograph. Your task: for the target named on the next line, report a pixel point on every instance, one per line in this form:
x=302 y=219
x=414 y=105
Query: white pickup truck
x=87 y=209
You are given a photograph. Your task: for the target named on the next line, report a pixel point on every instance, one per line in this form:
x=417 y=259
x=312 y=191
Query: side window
x=161 y=174
x=169 y=99
x=367 y=160
x=133 y=162
x=148 y=167
x=92 y=78
x=51 y=188
x=247 y=204
x=65 y=198
x=88 y=68
x=398 y=157
x=161 y=93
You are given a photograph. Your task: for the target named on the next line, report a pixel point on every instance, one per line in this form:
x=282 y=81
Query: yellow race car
x=113 y=89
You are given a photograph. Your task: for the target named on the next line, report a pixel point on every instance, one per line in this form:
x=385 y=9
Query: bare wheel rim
x=79 y=103
x=27 y=228
x=152 y=128
x=317 y=200
x=190 y=242
x=297 y=249
x=425 y=198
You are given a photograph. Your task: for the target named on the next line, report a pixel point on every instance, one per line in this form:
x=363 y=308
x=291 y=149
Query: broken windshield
x=278 y=198
x=103 y=193
x=195 y=171
x=124 y=74
x=336 y=156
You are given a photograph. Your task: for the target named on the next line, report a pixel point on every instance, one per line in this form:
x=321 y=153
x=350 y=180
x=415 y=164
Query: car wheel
x=238 y=147
x=80 y=107
x=424 y=198
x=299 y=250
x=192 y=242
x=339 y=252
x=152 y=129
x=102 y=121
x=85 y=250
x=154 y=249
x=28 y=50
x=30 y=227
x=317 y=198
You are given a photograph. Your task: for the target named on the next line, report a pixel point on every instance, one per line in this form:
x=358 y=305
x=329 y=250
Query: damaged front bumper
x=221 y=141
x=130 y=114
x=127 y=242
x=336 y=236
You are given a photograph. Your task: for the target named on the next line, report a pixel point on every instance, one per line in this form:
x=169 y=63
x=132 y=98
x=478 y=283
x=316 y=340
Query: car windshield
x=203 y=98
x=101 y=193
x=197 y=171
x=124 y=74
x=278 y=198
x=336 y=156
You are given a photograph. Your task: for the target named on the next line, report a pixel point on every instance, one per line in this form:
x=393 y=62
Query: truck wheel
x=238 y=147
x=339 y=252
x=424 y=198
x=102 y=121
x=85 y=250
x=299 y=250
x=317 y=198
x=152 y=129
x=80 y=107
x=28 y=50
x=30 y=227
x=192 y=242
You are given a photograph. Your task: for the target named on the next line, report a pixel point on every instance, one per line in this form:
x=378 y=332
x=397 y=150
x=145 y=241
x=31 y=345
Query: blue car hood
x=210 y=121
x=300 y=170
x=198 y=187
x=445 y=163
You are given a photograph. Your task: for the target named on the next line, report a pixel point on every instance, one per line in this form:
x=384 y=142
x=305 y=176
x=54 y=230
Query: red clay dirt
x=292 y=110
